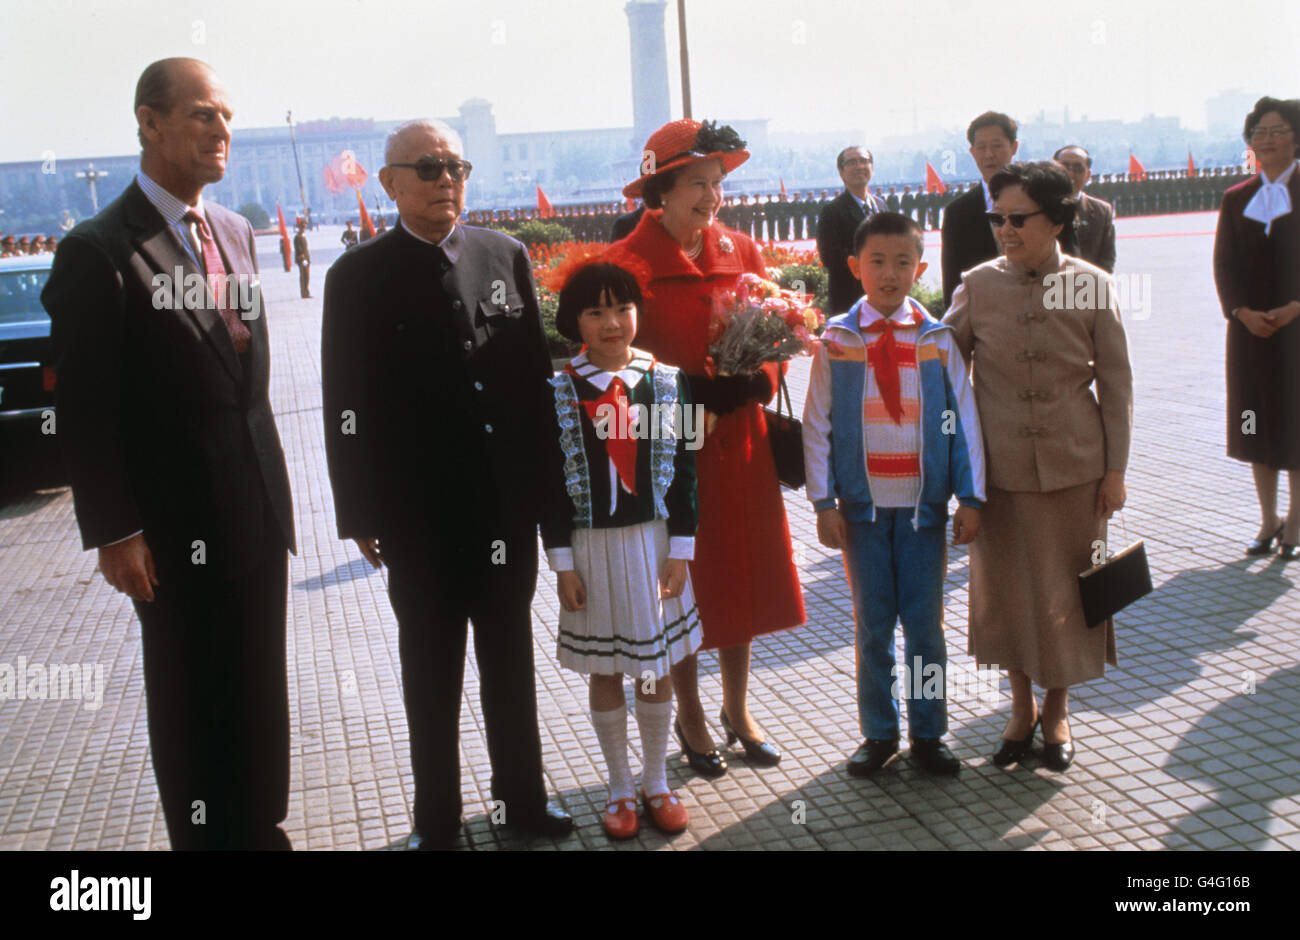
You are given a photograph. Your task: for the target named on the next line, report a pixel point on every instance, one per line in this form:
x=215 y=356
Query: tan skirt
x=1025 y=612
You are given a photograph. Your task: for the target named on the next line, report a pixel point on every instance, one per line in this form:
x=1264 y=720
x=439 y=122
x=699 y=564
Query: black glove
x=725 y=393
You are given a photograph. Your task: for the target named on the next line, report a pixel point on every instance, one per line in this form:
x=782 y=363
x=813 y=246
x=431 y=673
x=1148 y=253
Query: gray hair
x=441 y=128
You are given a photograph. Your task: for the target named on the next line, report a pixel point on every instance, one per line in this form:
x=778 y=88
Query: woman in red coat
x=744 y=573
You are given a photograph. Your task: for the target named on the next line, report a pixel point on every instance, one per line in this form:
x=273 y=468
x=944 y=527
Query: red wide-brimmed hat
x=678 y=143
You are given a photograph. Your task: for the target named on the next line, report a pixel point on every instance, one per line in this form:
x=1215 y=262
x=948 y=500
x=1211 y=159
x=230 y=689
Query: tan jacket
x=1036 y=342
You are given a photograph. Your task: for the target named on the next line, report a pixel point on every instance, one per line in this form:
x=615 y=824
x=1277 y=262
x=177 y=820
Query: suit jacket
x=434 y=369
x=967 y=238
x=835 y=229
x=165 y=428
x=1094 y=227
x=624 y=224
x=1034 y=362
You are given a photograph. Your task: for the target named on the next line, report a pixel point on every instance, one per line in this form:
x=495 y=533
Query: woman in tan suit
x=1039 y=328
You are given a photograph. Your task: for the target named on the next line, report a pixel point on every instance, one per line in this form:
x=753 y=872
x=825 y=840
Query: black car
x=26 y=375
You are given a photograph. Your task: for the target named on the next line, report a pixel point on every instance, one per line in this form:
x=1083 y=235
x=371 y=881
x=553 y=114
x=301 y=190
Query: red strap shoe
x=621 y=820
x=666 y=812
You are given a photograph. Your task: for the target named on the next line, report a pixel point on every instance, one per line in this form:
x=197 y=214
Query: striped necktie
x=215 y=270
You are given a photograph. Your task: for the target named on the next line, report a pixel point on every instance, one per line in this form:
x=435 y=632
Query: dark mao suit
x=438 y=357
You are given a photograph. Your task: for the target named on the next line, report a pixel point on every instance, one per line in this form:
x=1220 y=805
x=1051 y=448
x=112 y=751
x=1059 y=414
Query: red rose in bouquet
x=759 y=322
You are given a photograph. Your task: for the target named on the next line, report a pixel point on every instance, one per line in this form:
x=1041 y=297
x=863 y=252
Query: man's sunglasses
x=1017 y=219
x=429 y=169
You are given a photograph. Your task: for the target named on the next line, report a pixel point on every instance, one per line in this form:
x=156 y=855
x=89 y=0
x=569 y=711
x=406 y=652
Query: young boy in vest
x=890 y=434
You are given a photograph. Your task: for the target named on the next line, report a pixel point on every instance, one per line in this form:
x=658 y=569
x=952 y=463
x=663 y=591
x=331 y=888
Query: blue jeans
x=896 y=573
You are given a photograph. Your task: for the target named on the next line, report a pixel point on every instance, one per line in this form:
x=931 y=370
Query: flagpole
x=686 y=58
x=302 y=193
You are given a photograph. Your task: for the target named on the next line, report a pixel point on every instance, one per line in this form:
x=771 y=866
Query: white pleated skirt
x=626 y=627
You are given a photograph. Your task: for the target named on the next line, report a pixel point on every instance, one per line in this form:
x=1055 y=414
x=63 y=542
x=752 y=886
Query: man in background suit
x=967 y=236
x=1094 y=222
x=178 y=477
x=434 y=368
x=840 y=219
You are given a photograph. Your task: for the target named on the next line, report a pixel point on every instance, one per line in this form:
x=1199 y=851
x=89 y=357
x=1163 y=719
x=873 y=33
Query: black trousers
x=435 y=587
x=218 y=704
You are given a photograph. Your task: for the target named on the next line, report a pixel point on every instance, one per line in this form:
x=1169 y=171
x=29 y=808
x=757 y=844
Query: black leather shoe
x=1058 y=757
x=874 y=754
x=1012 y=752
x=934 y=757
x=440 y=842
x=1265 y=546
x=1287 y=552
x=707 y=765
x=758 y=752
x=552 y=822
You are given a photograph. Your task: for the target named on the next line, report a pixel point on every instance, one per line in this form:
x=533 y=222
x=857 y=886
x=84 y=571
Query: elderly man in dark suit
x=178 y=477
x=967 y=238
x=1094 y=222
x=840 y=219
x=434 y=368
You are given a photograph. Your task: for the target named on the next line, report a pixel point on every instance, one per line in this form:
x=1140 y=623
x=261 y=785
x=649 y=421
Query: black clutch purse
x=785 y=431
x=1120 y=580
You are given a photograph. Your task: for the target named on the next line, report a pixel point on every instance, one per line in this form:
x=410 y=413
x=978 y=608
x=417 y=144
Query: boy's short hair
x=992 y=119
x=889 y=223
x=588 y=287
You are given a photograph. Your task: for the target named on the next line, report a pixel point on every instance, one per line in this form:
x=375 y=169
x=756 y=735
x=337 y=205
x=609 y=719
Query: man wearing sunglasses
x=967 y=239
x=1094 y=222
x=434 y=369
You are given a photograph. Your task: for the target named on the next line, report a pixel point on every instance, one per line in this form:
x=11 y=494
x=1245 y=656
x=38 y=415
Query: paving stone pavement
x=1189 y=743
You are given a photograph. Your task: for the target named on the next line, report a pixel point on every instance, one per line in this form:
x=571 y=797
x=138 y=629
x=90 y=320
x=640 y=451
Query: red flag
x=344 y=171
x=544 y=208
x=1191 y=167
x=366 y=226
x=332 y=182
x=1135 y=169
x=933 y=184
x=782 y=182
x=285 y=250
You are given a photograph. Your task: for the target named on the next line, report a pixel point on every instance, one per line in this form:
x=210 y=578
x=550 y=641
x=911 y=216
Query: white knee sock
x=611 y=732
x=654 y=720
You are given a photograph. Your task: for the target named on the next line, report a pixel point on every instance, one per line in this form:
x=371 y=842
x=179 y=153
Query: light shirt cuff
x=119 y=541
x=681 y=547
x=560 y=559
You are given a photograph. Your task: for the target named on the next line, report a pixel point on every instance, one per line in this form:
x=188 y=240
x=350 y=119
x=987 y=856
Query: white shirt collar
x=868 y=314
x=421 y=237
x=988 y=196
x=169 y=207
x=1272 y=200
x=630 y=374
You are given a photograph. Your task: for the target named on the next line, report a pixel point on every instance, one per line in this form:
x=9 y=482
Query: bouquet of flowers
x=759 y=322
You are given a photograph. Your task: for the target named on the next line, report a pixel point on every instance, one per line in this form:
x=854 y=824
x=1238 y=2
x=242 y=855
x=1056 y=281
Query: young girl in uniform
x=619 y=531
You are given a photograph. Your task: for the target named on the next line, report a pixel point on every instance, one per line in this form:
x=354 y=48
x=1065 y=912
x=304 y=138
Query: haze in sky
x=70 y=66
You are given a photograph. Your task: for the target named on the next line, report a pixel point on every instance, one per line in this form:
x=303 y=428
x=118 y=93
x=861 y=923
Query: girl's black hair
x=590 y=287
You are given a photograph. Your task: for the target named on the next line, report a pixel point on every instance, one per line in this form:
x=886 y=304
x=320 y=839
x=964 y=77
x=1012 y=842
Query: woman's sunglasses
x=1017 y=219
x=430 y=169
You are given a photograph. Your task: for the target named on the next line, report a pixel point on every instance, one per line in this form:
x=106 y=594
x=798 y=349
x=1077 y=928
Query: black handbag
x=785 y=431
x=1109 y=587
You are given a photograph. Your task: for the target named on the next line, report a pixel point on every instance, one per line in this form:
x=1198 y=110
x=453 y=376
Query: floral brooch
x=725 y=245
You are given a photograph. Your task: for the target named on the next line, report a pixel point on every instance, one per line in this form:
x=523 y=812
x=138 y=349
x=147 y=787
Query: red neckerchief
x=886 y=357
x=619 y=446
